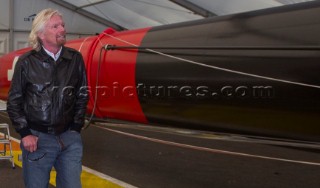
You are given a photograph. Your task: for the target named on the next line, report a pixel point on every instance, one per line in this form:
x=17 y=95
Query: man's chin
x=61 y=42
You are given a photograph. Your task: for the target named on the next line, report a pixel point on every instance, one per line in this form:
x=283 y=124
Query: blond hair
x=38 y=25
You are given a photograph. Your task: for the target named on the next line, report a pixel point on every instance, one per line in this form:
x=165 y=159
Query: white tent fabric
x=132 y=14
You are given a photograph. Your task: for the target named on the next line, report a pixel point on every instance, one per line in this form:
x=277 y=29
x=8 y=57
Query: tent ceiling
x=132 y=14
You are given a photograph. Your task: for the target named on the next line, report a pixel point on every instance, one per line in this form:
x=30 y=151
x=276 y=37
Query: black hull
x=255 y=73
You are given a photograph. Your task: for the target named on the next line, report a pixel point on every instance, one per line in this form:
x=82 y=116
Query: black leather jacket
x=48 y=96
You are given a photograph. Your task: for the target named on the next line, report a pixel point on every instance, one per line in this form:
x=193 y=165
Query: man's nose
x=62 y=29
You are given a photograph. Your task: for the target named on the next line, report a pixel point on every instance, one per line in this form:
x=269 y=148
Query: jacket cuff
x=24 y=132
x=76 y=127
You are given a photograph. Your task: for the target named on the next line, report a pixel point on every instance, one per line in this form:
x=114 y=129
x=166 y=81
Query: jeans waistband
x=50 y=130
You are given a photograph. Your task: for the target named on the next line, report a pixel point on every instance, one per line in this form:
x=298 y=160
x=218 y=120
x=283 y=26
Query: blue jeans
x=63 y=152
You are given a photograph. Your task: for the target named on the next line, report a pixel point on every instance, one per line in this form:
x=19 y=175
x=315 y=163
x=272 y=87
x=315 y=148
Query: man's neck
x=56 y=55
x=53 y=50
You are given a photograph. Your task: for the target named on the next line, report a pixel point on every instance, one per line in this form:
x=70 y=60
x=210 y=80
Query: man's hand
x=30 y=143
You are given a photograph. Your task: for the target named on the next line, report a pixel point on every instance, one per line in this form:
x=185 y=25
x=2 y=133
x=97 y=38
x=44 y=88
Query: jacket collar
x=65 y=53
x=43 y=56
x=54 y=56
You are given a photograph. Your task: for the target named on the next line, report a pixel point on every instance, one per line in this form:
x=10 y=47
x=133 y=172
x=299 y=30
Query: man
x=47 y=103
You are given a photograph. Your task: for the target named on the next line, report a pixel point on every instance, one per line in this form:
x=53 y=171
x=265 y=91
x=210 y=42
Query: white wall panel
x=24 y=12
x=4 y=14
x=4 y=43
x=20 y=40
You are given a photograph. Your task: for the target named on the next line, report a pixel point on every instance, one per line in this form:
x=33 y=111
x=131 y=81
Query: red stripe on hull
x=117 y=95
x=6 y=71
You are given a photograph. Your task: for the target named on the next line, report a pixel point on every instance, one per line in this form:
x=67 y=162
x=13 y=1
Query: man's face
x=54 y=34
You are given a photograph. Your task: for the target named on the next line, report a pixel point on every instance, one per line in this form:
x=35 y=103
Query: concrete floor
x=147 y=156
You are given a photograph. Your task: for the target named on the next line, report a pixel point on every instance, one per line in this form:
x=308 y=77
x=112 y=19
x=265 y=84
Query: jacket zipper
x=53 y=102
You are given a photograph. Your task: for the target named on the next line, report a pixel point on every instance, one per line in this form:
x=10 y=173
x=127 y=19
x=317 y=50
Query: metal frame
x=6 y=140
x=87 y=14
x=194 y=8
x=184 y=3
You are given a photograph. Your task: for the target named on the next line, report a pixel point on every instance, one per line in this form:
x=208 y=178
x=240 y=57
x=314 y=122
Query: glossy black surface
x=255 y=72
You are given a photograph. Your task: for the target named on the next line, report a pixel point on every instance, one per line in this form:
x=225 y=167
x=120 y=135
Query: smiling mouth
x=61 y=37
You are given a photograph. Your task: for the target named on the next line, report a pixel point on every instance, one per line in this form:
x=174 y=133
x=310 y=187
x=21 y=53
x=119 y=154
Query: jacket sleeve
x=82 y=97
x=15 y=103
